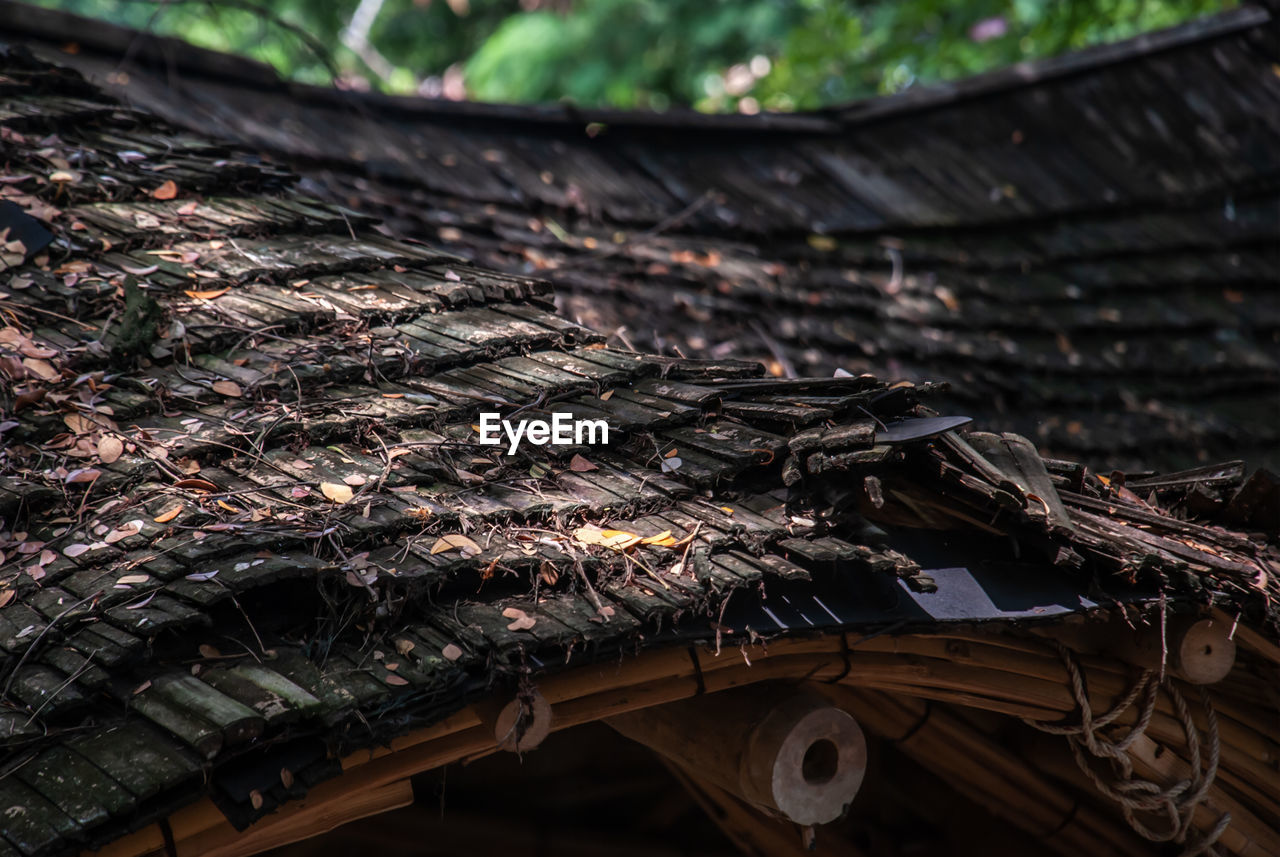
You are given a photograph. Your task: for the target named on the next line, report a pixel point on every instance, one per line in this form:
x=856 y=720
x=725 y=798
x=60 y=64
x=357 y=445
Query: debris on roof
x=1085 y=247
x=253 y=547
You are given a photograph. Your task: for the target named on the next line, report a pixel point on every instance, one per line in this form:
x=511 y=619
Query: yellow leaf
x=337 y=492
x=658 y=539
x=206 y=295
x=618 y=540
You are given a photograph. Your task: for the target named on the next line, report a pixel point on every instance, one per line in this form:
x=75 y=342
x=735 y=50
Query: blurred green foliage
x=714 y=55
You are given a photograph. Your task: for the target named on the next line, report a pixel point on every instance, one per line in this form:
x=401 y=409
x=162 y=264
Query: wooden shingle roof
x=248 y=527
x=1085 y=246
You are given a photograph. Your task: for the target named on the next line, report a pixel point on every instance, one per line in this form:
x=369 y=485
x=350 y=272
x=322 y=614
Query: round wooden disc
x=522 y=725
x=1206 y=654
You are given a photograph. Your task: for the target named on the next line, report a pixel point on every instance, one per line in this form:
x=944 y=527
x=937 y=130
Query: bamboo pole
x=996 y=673
x=990 y=775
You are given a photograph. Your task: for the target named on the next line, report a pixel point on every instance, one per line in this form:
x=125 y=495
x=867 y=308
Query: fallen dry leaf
x=578 y=464
x=450 y=652
x=521 y=621
x=616 y=539
x=456 y=541
x=79 y=423
x=337 y=492
x=42 y=369
x=110 y=448
x=167 y=515
x=228 y=388
x=206 y=295
x=168 y=190
x=195 y=485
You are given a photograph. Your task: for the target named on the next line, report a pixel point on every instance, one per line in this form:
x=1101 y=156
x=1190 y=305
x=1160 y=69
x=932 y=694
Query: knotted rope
x=1177 y=802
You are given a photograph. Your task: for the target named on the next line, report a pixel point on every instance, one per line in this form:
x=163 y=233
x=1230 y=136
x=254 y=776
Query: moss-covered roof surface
x=1085 y=247
x=247 y=525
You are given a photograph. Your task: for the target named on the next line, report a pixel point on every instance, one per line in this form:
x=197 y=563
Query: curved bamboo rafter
x=890 y=684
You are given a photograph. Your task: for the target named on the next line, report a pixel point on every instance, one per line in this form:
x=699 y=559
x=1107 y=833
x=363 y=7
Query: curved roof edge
x=104 y=37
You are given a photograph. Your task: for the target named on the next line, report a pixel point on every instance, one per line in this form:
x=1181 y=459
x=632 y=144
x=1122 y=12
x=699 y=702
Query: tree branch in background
x=310 y=42
x=356 y=37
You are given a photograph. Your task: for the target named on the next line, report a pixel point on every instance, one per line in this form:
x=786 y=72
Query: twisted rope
x=1175 y=803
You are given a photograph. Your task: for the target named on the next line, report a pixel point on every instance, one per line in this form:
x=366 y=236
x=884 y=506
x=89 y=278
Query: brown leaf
x=42 y=369
x=456 y=541
x=75 y=550
x=79 y=423
x=521 y=621
x=195 y=485
x=208 y=651
x=228 y=388
x=396 y=680
x=286 y=778
x=121 y=533
x=255 y=797
x=168 y=190
x=140 y=688
x=130 y=579
x=337 y=492
x=168 y=515
x=206 y=295
x=404 y=647
x=110 y=448
x=82 y=475
x=578 y=464
x=451 y=652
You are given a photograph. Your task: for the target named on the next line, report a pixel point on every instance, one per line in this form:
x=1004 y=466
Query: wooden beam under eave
x=313 y=818
x=327 y=806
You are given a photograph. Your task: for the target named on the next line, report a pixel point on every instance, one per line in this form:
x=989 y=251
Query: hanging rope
x=1139 y=798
